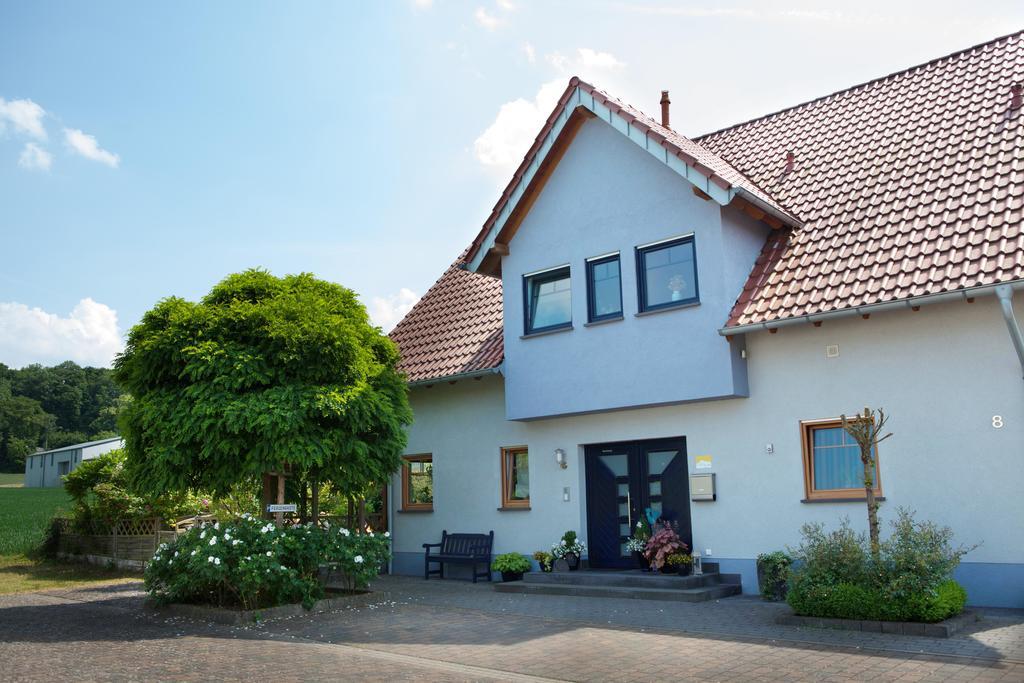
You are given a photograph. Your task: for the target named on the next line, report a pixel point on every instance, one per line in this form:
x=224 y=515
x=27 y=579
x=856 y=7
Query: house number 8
x=997 y=421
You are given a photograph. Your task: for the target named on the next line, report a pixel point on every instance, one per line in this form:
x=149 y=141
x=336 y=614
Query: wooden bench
x=471 y=549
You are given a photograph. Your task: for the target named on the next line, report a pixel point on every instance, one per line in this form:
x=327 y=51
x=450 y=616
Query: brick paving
x=453 y=631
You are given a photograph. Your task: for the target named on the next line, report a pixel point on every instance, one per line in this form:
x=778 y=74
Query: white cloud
x=486 y=19
x=35 y=158
x=530 y=52
x=88 y=147
x=89 y=335
x=386 y=312
x=592 y=59
x=25 y=115
x=508 y=5
x=422 y=4
x=506 y=141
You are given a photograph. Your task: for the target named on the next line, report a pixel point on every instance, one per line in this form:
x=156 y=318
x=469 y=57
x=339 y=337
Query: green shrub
x=251 y=564
x=511 y=562
x=773 y=570
x=836 y=576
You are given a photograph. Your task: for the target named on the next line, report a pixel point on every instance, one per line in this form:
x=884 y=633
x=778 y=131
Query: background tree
x=263 y=374
x=23 y=426
x=865 y=429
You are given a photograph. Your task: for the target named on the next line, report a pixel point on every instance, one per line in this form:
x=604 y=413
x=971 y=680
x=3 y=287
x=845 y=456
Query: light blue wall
x=608 y=195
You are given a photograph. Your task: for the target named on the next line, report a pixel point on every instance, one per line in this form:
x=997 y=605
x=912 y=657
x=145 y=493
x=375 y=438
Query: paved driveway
x=454 y=631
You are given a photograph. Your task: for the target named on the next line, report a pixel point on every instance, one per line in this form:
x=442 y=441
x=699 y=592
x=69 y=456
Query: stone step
x=701 y=594
x=623 y=579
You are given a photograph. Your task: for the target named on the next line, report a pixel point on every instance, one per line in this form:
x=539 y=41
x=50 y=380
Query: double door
x=629 y=480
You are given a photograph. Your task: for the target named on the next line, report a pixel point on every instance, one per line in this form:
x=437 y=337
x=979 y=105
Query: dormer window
x=667 y=274
x=604 y=288
x=548 y=299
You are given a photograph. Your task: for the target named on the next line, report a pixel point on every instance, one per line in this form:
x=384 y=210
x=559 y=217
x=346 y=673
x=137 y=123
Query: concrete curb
x=942 y=629
x=235 y=617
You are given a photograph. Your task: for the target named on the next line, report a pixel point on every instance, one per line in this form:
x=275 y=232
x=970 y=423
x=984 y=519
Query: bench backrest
x=469 y=545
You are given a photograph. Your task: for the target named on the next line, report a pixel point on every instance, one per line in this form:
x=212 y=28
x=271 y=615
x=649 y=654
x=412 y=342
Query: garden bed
x=235 y=617
x=942 y=629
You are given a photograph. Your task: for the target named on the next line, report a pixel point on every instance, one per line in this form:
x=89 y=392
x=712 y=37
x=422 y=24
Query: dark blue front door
x=623 y=481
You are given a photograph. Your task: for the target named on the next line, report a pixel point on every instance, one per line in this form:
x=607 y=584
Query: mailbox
x=702 y=487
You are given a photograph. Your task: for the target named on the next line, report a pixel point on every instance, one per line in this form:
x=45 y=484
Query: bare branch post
x=866 y=430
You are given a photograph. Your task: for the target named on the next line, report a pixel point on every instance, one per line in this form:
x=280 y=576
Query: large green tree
x=262 y=374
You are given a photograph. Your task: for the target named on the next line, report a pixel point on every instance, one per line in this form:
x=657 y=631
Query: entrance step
x=632 y=585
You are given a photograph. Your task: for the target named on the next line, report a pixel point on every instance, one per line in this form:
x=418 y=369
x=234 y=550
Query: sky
x=150 y=149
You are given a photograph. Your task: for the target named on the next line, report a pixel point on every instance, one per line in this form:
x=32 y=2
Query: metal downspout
x=1005 y=294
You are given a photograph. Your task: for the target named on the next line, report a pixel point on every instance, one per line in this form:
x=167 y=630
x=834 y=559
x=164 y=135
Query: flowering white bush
x=568 y=544
x=251 y=564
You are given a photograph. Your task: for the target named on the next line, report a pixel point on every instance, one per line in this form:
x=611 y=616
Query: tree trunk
x=362 y=515
x=268 y=493
x=303 y=501
x=315 y=495
x=869 y=490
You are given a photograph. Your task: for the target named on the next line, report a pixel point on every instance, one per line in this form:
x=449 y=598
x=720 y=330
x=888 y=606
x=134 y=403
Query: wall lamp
x=560 y=458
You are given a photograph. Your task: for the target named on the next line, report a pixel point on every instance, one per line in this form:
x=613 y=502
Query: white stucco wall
x=607 y=194
x=941 y=373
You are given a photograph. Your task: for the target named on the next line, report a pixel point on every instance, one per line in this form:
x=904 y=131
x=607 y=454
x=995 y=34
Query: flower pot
x=641 y=561
x=511 y=576
x=685 y=569
x=573 y=560
x=669 y=568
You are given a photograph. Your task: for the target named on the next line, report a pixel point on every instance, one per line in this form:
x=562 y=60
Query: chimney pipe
x=665 y=101
x=1015 y=96
x=790 y=158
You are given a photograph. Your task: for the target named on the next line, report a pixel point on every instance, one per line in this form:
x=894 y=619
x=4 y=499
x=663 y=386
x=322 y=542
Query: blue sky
x=149 y=149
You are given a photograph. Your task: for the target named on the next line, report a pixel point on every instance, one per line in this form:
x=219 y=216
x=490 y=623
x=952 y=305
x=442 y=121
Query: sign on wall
x=703 y=462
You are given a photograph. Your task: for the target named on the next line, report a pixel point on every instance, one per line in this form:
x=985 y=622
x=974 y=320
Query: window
x=666 y=274
x=418 y=482
x=832 y=466
x=604 y=288
x=515 y=477
x=63 y=468
x=548 y=299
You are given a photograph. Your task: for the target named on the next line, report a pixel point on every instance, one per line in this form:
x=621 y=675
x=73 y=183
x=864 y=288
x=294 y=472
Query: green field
x=7 y=479
x=24 y=516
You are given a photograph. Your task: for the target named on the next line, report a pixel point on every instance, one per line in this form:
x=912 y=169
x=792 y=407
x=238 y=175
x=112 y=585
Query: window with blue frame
x=548 y=300
x=667 y=274
x=604 y=288
x=832 y=464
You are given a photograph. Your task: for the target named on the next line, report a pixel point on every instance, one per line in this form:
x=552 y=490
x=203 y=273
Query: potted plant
x=678 y=563
x=638 y=543
x=773 y=574
x=511 y=566
x=545 y=559
x=663 y=542
x=569 y=549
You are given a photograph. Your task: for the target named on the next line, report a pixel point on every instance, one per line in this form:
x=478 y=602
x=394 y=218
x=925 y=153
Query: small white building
x=45 y=469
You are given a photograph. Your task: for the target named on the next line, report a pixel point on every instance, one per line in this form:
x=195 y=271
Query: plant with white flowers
x=261 y=566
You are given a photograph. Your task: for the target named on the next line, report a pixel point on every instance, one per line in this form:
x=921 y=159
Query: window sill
x=862 y=499
x=414 y=510
x=603 y=321
x=666 y=309
x=544 y=333
x=514 y=508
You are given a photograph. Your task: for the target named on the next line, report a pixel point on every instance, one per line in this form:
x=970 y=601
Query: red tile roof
x=908 y=185
x=455 y=329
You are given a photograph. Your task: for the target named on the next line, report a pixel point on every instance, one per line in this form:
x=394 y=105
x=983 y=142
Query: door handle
x=629 y=512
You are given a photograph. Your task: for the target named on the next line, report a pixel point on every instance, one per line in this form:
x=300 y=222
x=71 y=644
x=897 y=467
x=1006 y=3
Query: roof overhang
x=577 y=104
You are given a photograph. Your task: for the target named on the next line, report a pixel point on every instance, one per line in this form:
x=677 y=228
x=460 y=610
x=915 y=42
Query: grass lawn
x=11 y=479
x=19 y=574
x=24 y=517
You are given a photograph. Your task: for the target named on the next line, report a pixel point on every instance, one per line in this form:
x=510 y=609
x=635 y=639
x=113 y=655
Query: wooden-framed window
x=667 y=274
x=832 y=465
x=515 y=477
x=418 y=482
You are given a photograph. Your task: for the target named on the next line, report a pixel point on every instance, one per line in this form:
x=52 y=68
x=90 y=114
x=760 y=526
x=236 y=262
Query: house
x=641 y=307
x=45 y=469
